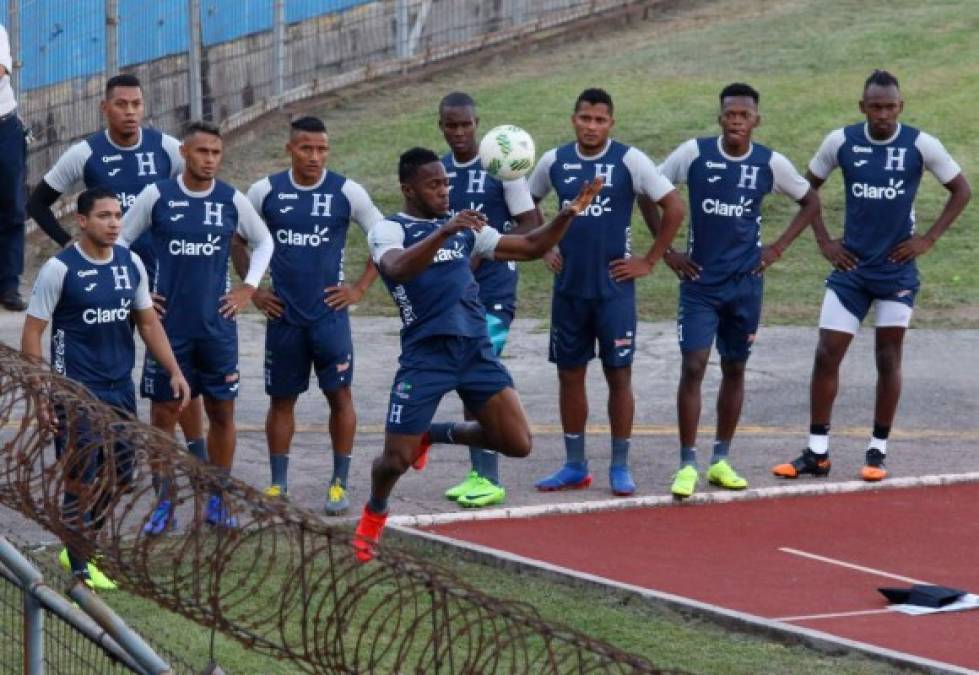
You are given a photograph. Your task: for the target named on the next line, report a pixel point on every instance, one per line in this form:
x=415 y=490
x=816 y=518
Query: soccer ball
x=507 y=152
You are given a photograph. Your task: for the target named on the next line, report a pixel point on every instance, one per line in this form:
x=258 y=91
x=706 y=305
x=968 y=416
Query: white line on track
x=852 y=566
x=834 y=615
x=812 y=488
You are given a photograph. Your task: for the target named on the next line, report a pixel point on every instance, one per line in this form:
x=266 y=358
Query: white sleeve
x=676 y=167
x=540 y=178
x=139 y=217
x=143 y=299
x=385 y=236
x=47 y=289
x=646 y=178
x=258 y=192
x=253 y=229
x=172 y=147
x=787 y=181
x=486 y=240
x=362 y=209
x=936 y=158
x=70 y=168
x=517 y=196
x=826 y=158
x=5 y=57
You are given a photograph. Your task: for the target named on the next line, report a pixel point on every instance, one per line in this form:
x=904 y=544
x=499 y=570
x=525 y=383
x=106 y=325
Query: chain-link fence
x=231 y=60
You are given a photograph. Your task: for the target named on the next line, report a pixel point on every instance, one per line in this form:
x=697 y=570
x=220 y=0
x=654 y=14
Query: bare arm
x=404 y=264
x=663 y=230
x=344 y=295
x=265 y=300
x=151 y=331
x=30 y=337
x=542 y=239
x=959 y=195
x=809 y=209
x=832 y=249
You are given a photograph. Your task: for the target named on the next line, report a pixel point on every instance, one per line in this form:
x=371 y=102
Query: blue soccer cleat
x=161 y=520
x=217 y=514
x=620 y=479
x=568 y=477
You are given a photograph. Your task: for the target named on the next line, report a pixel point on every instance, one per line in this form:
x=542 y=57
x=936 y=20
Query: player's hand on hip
x=911 y=248
x=235 y=301
x=467 y=219
x=159 y=304
x=626 y=269
x=268 y=303
x=180 y=389
x=682 y=265
x=769 y=255
x=588 y=192
x=338 y=297
x=834 y=251
x=553 y=260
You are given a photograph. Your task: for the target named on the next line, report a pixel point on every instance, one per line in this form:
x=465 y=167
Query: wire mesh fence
x=218 y=59
x=282 y=582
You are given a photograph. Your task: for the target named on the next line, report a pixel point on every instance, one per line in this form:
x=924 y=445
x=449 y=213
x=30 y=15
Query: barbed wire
x=399 y=613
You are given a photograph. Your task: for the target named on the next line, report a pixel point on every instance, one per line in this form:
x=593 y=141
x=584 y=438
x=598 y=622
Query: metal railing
x=41 y=631
x=232 y=60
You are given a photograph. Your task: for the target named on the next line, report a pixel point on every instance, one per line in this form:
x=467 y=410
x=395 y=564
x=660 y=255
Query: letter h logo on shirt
x=321 y=205
x=477 y=181
x=749 y=177
x=604 y=171
x=120 y=277
x=145 y=164
x=212 y=210
x=895 y=159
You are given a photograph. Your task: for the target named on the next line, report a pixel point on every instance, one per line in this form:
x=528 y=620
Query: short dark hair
x=456 y=99
x=121 y=80
x=412 y=160
x=594 y=96
x=313 y=125
x=201 y=127
x=739 y=89
x=881 y=78
x=87 y=199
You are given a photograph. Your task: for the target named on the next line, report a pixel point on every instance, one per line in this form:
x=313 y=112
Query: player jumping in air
x=882 y=162
x=594 y=286
x=192 y=219
x=308 y=209
x=721 y=286
x=508 y=208
x=424 y=259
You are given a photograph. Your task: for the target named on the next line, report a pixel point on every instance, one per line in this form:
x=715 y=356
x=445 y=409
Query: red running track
x=729 y=555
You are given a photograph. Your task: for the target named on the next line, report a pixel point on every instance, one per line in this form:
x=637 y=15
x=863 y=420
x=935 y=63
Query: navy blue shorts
x=291 y=351
x=730 y=312
x=122 y=397
x=209 y=364
x=435 y=366
x=857 y=289
x=577 y=323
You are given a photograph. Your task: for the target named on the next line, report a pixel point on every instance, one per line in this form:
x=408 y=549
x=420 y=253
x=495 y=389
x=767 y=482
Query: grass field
x=808 y=58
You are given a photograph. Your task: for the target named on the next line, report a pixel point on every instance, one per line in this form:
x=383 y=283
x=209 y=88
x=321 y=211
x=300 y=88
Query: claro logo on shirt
x=97 y=315
x=195 y=248
x=313 y=239
x=893 y=190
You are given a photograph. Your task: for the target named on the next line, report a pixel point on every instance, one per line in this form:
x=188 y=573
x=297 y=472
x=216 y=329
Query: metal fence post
x=195 y=87
x=13 y=33
x=111 y=37
x=402 y=29
x=279 y=37
x=33 y=635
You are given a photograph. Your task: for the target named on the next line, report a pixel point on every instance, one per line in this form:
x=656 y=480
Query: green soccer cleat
x=723 y=475
x=275 y=492
x=337 y=503
x=466 y=486
x=94 y=579
x=685 y=482
x=484 y=493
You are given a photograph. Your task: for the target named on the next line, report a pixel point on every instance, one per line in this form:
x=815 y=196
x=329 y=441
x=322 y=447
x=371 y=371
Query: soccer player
x=882 y=162
x=124 y=157
x=88 y=292
x=424 y=259
x=721 y=285
x=509 y=208
x=13 y=153
x=308 y=210
x=192 y=219
x=594 y=288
